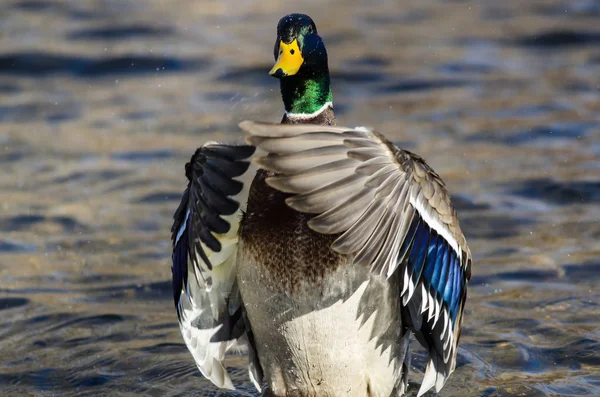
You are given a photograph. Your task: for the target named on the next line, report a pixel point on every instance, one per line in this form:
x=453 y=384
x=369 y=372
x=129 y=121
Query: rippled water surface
x=102 y=103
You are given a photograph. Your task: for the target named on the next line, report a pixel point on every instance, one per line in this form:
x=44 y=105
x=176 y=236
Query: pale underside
x=322 y=340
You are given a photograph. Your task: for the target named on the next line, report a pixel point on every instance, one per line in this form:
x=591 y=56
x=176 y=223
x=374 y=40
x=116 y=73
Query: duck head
x=299 y=50
x=301 y=67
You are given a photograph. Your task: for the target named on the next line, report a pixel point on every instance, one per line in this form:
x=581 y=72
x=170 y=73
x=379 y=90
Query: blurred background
x=103 y=101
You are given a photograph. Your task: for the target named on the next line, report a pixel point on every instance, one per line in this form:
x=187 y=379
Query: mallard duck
x=317 y=248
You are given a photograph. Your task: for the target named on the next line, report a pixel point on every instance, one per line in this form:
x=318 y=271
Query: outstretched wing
x=393 y=213
x=205 y=240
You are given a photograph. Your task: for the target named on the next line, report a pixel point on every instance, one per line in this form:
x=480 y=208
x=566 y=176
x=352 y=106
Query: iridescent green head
x=301 y=65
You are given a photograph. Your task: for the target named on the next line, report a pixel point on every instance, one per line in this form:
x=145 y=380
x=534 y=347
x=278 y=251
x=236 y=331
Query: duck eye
x=310 y=29
x=292 y=51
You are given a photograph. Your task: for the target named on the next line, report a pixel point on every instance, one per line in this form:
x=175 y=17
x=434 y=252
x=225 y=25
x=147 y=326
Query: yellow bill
x=289 y=59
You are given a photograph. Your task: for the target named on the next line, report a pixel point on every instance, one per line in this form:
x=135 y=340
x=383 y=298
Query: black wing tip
x=210 y=173
x=231 y=153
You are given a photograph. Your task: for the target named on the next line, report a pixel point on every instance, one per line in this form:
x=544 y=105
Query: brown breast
x=279 y=238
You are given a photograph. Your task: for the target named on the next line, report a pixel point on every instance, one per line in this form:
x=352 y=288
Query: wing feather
x=340 y=218
x=320 y=200
x=204 y=235
x=314 y=178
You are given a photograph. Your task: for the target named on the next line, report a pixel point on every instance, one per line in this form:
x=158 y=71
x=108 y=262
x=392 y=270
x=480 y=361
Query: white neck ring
x=306 y=116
